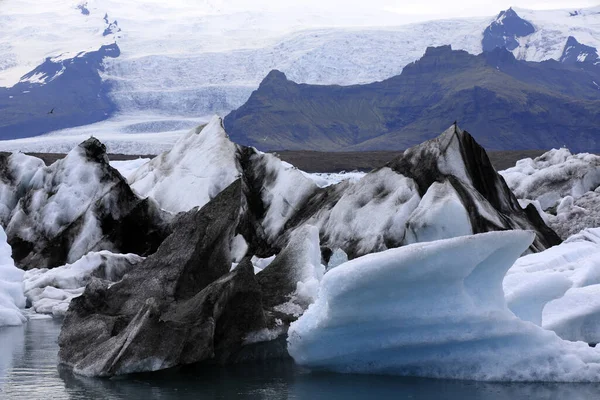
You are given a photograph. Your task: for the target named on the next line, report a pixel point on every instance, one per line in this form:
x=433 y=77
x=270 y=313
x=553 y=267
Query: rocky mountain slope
x=510 y=104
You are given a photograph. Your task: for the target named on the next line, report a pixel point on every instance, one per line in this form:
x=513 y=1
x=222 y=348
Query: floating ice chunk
x=554 y=175
x=11 y=290
x=291 y=282
x=573 y=216
x=51 y=290
x=261 y=263
x=284 y=189
x=576 y=315
x=434 y=309
x=558 y=288
x=18 y=179
x=324 y=179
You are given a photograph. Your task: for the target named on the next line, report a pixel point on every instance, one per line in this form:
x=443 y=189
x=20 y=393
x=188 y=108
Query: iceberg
x=442 y=188
x=11 y=289
x=559 y=289
x=50 y=291
x=434 y=309
x=553 y=176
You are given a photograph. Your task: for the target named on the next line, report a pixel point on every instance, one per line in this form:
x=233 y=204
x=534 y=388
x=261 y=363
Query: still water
x=28 y=370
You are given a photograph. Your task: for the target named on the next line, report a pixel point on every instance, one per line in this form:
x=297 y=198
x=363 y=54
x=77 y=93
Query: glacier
x=436 y=310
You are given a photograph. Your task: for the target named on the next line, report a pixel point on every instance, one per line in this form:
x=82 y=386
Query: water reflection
x=28 y=371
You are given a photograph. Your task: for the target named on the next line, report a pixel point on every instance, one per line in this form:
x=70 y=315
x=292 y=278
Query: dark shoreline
x=315 y=161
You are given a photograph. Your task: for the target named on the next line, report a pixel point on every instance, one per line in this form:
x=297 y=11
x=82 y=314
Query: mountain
x=511 y=104
x=576 y=52
x=61 y=92
x=505 y=31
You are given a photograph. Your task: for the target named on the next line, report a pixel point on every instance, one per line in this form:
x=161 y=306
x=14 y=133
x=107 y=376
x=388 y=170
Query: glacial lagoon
x=29 y=370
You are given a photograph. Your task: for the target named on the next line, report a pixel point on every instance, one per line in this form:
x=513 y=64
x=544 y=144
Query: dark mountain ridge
x=512 y=104
x=61 y=92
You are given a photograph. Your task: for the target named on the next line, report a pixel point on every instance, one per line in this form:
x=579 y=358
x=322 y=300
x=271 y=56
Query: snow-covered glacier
x=434 y=310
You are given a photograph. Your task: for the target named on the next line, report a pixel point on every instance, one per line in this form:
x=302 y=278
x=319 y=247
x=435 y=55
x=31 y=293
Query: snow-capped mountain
x=210 y=61
x=62 y=92
x=576 y=52
x=505 y=31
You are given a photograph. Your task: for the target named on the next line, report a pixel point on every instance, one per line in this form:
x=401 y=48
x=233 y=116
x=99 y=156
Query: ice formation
x=440 y=215
x=128 y=167
x=199 y=166
x=559 y=288
x=12 y=299
x=437 y=310
x=50 y=291
x=442 y=188
x=574 y=215
x=350 y=221
x=18 y=171
x=565 y=186
x=554 y=175
x=205 y=161
x=76 y=205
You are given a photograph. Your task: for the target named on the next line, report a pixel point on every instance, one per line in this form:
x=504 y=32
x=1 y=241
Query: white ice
x=199 y=166
x=370 y=213
x=21 y=168
x=559 y=288
x=12 y=299
x=324 y=179
x=51 y=290
x=128 y=167
x=434 y=309
x=440 y=215
x=307 y=271
x=283 y=191
x=554 y=175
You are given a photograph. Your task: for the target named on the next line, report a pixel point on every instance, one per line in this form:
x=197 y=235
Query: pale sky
x=449 y=8
x=478 y=7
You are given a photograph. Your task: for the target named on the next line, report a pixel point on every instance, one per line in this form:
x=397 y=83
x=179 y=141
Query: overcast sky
x=478 y=7
x=449 y=8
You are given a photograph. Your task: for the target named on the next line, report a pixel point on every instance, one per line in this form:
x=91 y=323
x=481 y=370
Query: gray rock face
x=180 y=306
